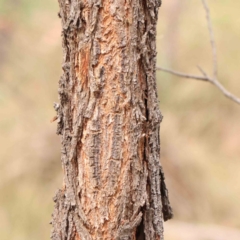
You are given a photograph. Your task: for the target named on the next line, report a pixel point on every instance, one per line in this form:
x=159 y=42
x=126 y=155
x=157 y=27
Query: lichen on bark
x=109 y=120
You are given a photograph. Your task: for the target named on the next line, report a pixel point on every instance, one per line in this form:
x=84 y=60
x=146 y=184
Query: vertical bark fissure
x=109 y=119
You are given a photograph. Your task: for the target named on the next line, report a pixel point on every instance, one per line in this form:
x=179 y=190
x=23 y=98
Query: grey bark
x=109 y=119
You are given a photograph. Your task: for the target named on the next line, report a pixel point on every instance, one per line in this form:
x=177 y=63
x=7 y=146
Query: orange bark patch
x=84 y=56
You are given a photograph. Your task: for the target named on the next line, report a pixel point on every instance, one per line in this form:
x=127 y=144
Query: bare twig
x=183 y=75
x=205 y=78
x=212 y=40
x=213 y=80
x=202 y=71
x=224 y=90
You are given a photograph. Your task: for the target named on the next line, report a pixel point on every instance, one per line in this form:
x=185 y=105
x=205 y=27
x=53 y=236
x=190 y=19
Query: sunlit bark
x=109 y=119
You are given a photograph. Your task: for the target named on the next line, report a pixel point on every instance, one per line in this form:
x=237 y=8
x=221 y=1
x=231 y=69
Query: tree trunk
x=109 y=119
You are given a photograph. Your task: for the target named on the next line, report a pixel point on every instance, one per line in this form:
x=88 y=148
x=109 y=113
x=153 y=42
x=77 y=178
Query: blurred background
x=200 y=133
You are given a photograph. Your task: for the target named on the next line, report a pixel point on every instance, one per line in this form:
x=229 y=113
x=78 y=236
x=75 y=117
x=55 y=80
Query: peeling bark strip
x=109 y=119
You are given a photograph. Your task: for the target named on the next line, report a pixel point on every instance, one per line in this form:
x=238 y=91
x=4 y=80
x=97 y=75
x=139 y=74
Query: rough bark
x=109 y=119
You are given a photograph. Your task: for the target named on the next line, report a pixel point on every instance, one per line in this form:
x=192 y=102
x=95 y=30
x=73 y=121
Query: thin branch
x=225 y=91
x=215 y=82
x=212 y=40
x=183 y=75
x=202 y=71
x=205 y=77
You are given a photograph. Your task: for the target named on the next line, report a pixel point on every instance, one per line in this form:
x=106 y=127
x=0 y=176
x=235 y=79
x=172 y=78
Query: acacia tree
x=109 y=119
